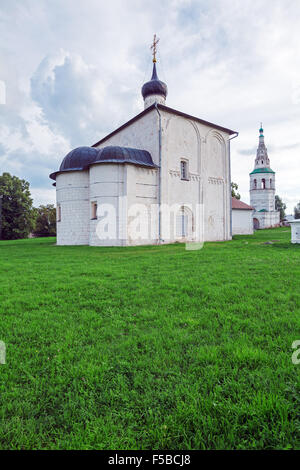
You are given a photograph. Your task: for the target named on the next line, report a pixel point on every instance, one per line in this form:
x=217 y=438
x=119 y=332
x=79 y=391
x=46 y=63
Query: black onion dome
x=155 y=86
x=115 y=154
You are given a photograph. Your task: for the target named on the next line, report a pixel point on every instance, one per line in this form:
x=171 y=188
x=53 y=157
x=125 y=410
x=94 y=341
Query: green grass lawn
x=150 y=347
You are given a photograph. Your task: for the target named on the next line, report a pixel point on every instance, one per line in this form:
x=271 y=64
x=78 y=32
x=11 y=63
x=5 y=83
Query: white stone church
x=162 y=177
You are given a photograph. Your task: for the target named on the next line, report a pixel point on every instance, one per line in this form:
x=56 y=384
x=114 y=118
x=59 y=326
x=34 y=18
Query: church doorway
x=256 y=224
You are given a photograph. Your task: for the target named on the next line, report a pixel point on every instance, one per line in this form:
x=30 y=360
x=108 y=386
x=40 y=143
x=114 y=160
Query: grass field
x=150 y=347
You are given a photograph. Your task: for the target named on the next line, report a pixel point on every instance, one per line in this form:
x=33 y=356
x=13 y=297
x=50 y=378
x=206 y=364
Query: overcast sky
x=72 y=72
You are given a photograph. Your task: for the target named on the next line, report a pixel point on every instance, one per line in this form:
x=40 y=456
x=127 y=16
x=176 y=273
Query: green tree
x=297 y=211
x=280 y=206
x=45 y=221
x=16 y=214
x=234 y=189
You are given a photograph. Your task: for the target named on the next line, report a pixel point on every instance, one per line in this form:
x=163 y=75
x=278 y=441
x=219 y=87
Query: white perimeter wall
x=242 y=222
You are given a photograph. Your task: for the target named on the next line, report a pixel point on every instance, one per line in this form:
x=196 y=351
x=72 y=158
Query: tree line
x=18 y=217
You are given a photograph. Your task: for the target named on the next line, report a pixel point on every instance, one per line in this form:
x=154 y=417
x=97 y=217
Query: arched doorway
x=256 y=224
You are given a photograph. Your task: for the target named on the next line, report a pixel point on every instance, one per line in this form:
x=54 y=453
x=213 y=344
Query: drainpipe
x=159 y=174
x=234 y=137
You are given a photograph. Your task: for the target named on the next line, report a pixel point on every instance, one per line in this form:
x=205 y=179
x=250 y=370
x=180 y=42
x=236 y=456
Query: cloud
x=77 y=100
x=73 y=73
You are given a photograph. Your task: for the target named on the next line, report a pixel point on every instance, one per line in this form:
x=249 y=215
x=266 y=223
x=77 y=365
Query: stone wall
x=72 y=194
x=242 y=222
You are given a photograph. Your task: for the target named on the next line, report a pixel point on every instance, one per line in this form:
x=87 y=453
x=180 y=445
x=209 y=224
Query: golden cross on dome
x=154 y=48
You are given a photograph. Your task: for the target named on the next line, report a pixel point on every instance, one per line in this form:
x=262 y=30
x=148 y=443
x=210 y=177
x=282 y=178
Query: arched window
x=58 y=213
x=263 y=183
x=255 y=184
x=184 y=223
x=271 y=183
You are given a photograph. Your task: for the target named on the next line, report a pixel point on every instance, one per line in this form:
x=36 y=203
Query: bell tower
x=262 y=188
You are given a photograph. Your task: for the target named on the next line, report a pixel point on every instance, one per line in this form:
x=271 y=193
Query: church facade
x=162 y=177
x=262 y=189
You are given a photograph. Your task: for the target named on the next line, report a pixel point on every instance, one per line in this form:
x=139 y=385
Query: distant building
x=242 y=220
x=295 y=224
x=262 y=189
x=287 y=220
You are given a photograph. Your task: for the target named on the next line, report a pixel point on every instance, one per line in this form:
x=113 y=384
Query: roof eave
x=201 y=121
x=168 y=110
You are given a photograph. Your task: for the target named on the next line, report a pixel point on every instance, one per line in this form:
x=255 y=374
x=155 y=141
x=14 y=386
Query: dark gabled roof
x=78 y=158
x=237 y=204
x=168 y=110
x=115 y=154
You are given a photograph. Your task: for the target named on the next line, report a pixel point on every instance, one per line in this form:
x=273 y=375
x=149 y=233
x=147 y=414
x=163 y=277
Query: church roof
x=262 y=170
x=237 y=204
x=115 y=154
x=78 y=158
x=168 y=110
x=82 y=157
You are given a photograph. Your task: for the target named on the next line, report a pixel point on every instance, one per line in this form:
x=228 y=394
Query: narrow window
x=255 y=184
x=263 y=183
x=184 y=170
x=270 y=184
x=182 y=224
x=58 y=213
x=94 y=210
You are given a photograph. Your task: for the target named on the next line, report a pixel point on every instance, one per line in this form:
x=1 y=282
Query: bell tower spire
x=262 y=160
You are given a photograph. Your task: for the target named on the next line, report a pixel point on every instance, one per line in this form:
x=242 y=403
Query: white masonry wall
x=242 y=222
x=107 y=189
x=207 y=153
x=295 y=226
x=141 y=134
x=140 y=184
x=72 y=194
x=262 y=198
x=151 y=99
x=267 y=219
x=142 y=205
